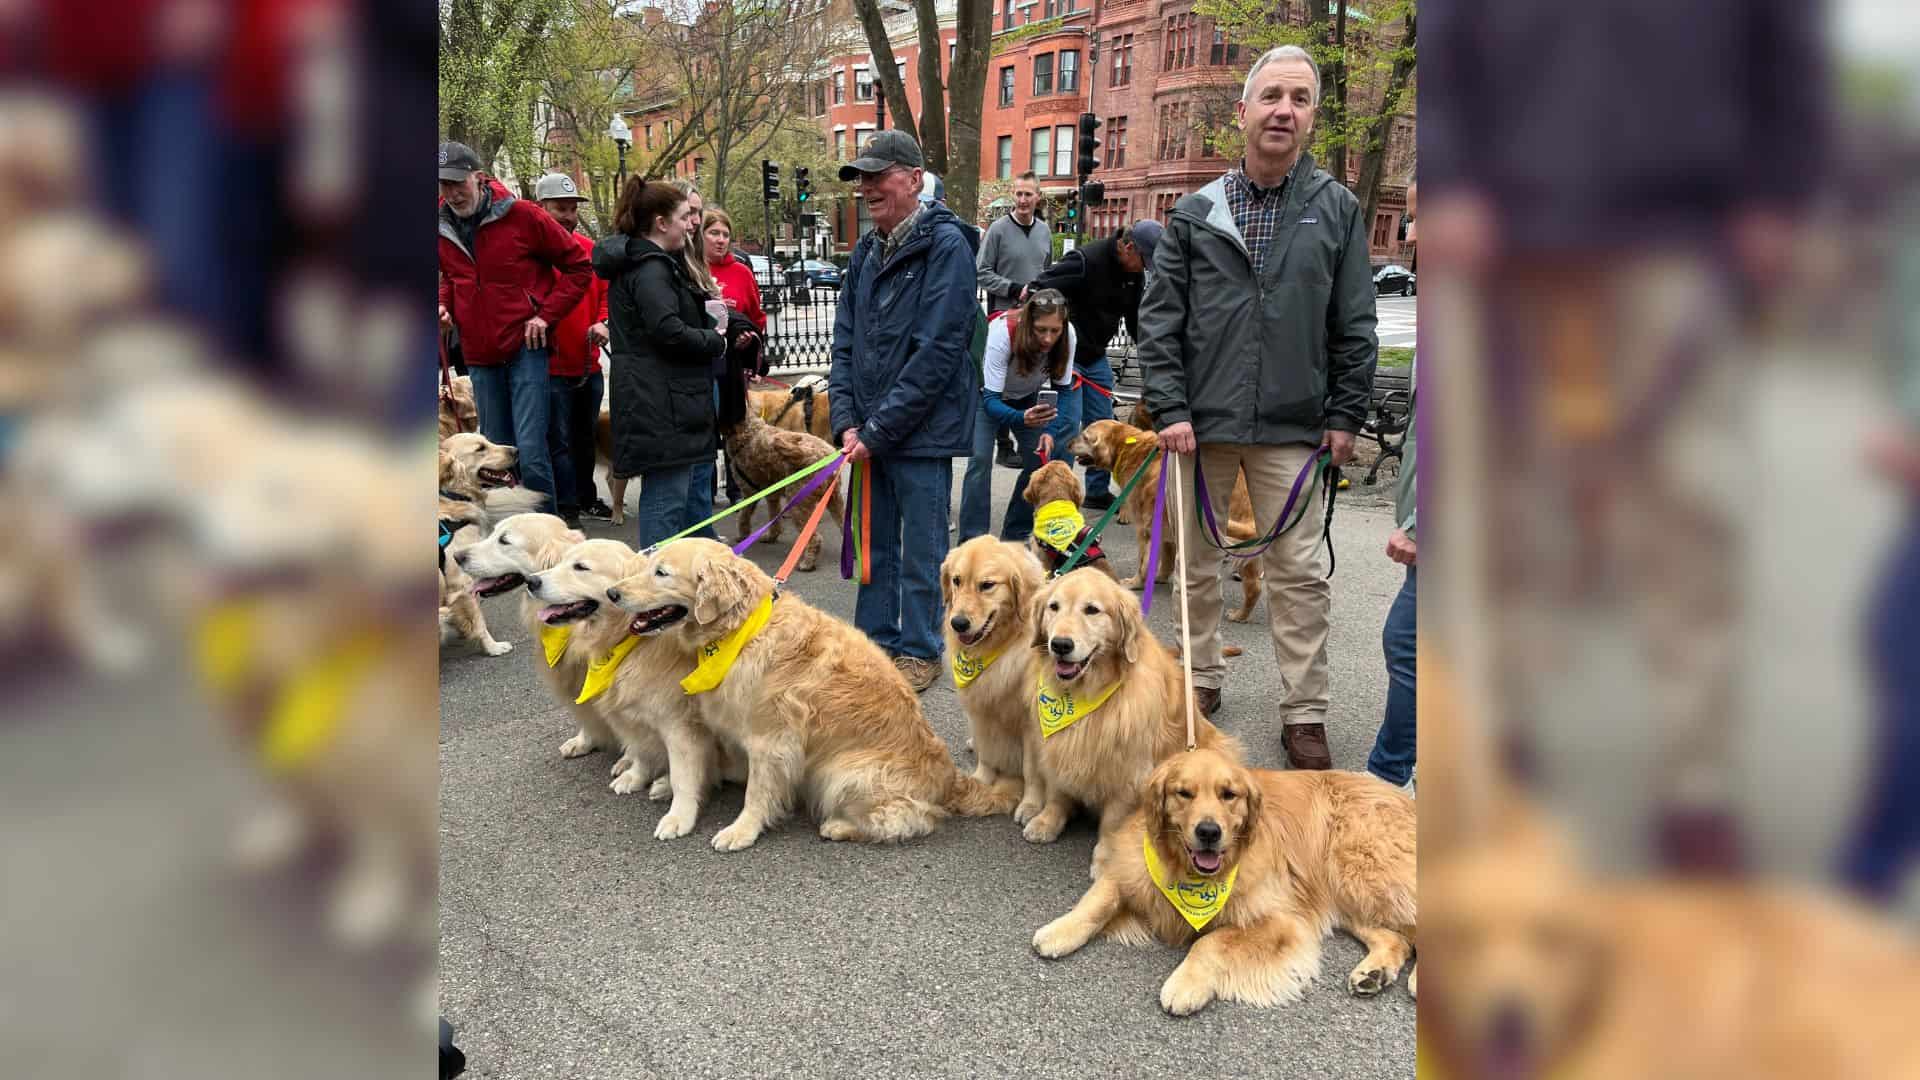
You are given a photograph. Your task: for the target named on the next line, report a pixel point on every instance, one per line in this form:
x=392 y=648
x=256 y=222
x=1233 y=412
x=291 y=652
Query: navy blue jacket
x=903 y=370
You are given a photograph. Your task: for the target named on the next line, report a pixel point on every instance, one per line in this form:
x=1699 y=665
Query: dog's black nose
x=961 y=624
x=1061 y=646
x=1207 y=832
x=613 y=596
x=533 y=583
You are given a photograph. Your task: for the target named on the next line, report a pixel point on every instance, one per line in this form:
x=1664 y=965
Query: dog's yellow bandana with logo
x=716 y=658
x=1197 y=899
x=307 y=715
x=1061 y=709
x=1058 y=525
x=968 y=668
x=554 y=640
x=600 y=672
x=224 y=645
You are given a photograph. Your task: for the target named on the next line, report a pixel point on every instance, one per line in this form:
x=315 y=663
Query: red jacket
x=523 y=264
x=571 y=353
x=735 y=279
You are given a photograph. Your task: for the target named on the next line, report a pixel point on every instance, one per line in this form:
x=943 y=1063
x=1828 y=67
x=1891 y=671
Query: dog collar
x=717 y=657
x=600 y=671
x=306 y=718
x=554 y=640
x=455 y=496
x=968 y=668
x=1061 y=709
x=1057 y=525
x=1197 y=899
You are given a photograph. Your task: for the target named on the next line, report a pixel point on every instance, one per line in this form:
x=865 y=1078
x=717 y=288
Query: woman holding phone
x=1027 y=371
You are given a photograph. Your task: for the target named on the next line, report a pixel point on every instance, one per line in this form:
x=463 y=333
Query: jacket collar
x=499 y=201
x=929 y=217
x=1304 y=182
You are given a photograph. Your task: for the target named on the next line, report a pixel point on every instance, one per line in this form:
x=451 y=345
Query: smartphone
x=1050 y=399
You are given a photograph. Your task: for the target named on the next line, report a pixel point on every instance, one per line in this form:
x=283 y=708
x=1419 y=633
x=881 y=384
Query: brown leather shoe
x=920 y=673
x=1206 y=699
x=1306 y=746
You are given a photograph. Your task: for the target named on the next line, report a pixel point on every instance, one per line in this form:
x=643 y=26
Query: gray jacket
x=1265 y=362
x=1010 y=258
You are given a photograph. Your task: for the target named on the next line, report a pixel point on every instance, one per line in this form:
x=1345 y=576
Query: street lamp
x=622 y=137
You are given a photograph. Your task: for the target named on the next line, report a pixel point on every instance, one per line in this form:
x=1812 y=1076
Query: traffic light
x=1073 y=208
x=1093 y=193
x=770 y=181
x=802 y=187
x=1089 y=145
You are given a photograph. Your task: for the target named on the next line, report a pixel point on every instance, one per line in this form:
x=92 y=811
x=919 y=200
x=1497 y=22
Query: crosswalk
x=1397 y=315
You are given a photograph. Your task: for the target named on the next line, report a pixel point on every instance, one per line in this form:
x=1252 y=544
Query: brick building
x=1036 y=90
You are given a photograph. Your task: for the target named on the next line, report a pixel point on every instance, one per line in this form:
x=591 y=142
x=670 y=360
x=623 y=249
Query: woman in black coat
x=664 y=348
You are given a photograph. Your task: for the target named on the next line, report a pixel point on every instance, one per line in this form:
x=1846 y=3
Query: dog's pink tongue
x=547 y=613
x=1206 y=861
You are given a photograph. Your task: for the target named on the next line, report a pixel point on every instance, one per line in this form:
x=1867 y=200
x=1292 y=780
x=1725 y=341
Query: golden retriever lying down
x=987 y=587
x=1103 y=445
x=1267 y=863
x=759 y=454
x=642 y=701
x=819 y=711
x=1093 y=654
x=525 y=546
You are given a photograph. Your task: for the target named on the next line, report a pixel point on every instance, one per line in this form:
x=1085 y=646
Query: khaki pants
x=1297 y=595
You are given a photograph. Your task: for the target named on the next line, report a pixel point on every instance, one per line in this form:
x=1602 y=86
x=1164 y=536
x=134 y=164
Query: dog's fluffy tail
x=504 y=502
x=971 y=798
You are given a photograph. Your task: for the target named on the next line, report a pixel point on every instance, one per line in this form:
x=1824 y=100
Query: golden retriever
x=758 y=455
x=1089 y=638
x=1055 y=482
x=467 y=510
x=458 y=412
x=802 y=407
x=1119 y=449
x=987 y=588
x=1299 y=854
x=491 y=463
x=817 y=708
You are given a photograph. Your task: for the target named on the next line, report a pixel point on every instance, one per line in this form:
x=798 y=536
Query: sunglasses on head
x=1047 y=300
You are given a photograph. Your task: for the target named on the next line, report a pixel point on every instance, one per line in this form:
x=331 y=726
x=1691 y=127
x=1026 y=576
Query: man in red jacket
x=574 y=370
x=508 y=273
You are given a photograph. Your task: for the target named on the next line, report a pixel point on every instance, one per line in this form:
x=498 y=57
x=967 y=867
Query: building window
x=1222 y=52
x=1006 y=14
x=1003 y=163
x=1116 y=142
x=1063 y=147
x=1163 y=205
x=669 y=131
x=1180 y=42
x=862 y=84
x=1069 y=71
x=1041 y=155
x=1382 y=230
x=649 y=136
x=1043 y=75
x=1173 y=133
x=1006 y=86
x=819 y=99
x=1122 y=61
x=840 y=87
x=1052 y=8
x=900 y=68
x=953 y=50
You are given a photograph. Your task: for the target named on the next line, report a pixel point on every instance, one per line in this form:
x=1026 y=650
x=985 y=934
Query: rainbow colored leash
x=856 y=533
x=798 y=498
x=746 y=501
x=1319 y=470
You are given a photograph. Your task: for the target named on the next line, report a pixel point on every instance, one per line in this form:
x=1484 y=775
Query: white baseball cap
x=556 y=186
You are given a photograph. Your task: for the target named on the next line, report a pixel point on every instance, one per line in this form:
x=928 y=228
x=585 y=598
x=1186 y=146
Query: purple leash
x=1152 y=571
x=1213 y=533
x=799 y=497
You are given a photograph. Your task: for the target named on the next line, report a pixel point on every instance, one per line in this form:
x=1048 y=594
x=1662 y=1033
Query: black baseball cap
x=457 y=161
x=883 y=152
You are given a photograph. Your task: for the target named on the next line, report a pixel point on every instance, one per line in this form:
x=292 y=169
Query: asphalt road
x=572 y=944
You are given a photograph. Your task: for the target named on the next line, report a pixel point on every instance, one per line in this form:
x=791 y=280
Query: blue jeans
x=1886 y=839
x=559 y=443
x=1396 y=745
x=1095 y=405
x=512 y=400
x=900 y=610
x=976 y=489
x=672 y=499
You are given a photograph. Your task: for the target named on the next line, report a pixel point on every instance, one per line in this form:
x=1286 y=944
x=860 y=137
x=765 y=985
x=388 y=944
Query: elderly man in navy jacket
x=902 y=361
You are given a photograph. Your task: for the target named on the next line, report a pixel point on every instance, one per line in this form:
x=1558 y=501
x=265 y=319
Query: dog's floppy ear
x=946 y=578
x=1039 y=616
x=1075 y=493
x=1156 y=798
x=719 y=586
x=1020 y=579
x=1256 y=801
x=1133 y=626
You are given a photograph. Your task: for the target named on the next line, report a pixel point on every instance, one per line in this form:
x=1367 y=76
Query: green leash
x=745 y=502
x=1093 y=534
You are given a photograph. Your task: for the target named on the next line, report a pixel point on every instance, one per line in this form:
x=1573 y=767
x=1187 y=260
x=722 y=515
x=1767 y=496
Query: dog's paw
x=579 y=746
x=807 y=566
x=628 y=782
x=673 y=826
x=1131 y=583
x=1044 y=829
x=367 y=909
x=1366 y=982
x=1185 y=992
x=625 y=763
x=498 y=648
x=1058 y=938
x=269 y=840
x=1413 y=983
x=839 y=829
x=661 y=790
x=1240 y=616
x=1027 y=811
x=736 y=837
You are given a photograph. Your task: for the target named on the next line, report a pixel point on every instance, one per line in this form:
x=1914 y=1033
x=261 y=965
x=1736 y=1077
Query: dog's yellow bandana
x=224 y=645
x=554 y=640
x=968 y=668
x=716 y=658
x=1061 y=709
x=600 y=672
x=1057 y=525
x=1197 y=899
x=307 y=716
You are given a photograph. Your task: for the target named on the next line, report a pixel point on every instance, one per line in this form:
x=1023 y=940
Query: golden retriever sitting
x=1252 y=868
x=458 y=413
x=1110 y=703
x=758 y=455
x=1119 y=449
x=987 y=587
x=491 y=463
x=820 y=713
x=1054 y=482
x=467 y=510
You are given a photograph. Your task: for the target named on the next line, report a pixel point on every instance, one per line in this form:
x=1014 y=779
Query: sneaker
x=572 y=518
x=1306 y=746
x=1206 y=699
x=920 y=673
x=1008 y=456
x=599 y=511
x=1098 y=500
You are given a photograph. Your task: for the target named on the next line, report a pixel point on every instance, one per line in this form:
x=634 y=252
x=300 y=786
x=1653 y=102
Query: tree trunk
x=886 y=74
x=1337 y=119
x=966 y=97
x=933 y=121
x=1374 y=163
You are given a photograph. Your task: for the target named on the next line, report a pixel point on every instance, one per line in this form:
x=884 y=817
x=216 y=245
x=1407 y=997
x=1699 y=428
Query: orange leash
x=800 y=545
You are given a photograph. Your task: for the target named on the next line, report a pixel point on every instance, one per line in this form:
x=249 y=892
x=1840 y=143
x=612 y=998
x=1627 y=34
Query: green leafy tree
x=487 y=71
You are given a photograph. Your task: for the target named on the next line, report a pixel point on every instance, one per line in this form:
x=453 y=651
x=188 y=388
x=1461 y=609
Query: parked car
x=1394 y=279
x=820 y=273
x=766 y=275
